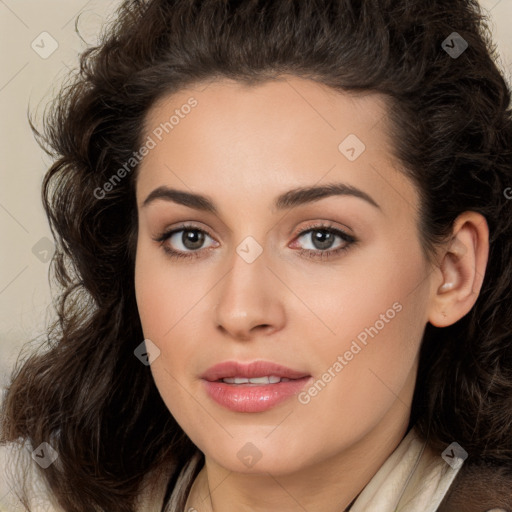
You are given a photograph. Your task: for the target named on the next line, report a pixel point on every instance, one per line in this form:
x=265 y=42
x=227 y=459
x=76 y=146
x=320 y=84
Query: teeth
x=236 y=380
x=272 y=379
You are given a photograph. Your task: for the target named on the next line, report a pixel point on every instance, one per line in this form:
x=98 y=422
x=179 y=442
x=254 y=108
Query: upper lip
x=228 y=369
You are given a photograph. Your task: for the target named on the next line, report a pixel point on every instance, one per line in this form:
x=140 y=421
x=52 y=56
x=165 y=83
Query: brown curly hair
x=85 y=393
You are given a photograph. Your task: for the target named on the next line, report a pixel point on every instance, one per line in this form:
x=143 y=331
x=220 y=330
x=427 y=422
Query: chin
x=257 y=455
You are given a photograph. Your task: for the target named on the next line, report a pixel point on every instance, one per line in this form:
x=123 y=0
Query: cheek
x=164 y=294
x=172 y=313
x=376 y=315
x=360 y=298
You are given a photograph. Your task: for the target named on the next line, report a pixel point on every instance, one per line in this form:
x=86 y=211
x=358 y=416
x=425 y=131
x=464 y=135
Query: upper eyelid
x=325 y=227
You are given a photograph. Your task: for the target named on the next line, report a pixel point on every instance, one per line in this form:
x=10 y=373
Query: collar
x=413 y=478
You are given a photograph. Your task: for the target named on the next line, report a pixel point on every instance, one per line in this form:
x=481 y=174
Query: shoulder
x=479 y=489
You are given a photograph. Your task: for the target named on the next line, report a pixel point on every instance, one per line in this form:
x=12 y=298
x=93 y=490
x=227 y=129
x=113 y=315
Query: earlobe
x=462 y=266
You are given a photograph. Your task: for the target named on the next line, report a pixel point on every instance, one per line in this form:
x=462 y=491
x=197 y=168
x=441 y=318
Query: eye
x=183 y=242
x=322 y=239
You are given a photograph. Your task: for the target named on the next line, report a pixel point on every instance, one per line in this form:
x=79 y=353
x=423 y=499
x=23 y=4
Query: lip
x=229 y=369
x=252 y=397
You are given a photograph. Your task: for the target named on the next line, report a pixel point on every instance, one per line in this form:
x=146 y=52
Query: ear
x=460 y=275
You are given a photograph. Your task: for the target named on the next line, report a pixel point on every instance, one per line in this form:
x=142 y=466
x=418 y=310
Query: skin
x=242 y=146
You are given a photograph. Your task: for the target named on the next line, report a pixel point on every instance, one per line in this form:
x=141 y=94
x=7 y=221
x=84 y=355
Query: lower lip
x=253 y=398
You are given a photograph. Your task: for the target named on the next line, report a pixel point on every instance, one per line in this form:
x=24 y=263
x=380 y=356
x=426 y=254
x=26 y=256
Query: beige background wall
x=29 y=31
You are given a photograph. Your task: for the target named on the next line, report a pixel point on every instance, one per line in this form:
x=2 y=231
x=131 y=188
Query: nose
x=250 y=300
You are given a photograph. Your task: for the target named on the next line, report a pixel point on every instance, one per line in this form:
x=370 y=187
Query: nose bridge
x=247 y=296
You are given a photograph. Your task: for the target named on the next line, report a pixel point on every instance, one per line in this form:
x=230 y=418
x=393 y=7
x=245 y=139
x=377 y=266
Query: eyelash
x=309 y=253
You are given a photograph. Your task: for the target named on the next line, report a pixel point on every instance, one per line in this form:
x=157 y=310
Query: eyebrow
x=291 y=199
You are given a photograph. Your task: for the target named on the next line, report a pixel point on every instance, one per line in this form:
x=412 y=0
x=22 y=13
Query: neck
x=327 y=486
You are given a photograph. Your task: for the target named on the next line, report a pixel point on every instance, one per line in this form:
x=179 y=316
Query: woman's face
x=333 y=285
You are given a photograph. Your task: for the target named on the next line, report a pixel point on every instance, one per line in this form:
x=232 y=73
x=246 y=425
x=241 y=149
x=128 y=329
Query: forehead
x=282 y=103
x=250 y=138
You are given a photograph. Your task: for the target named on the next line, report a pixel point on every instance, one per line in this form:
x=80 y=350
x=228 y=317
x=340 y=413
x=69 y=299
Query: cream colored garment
x=412 y=479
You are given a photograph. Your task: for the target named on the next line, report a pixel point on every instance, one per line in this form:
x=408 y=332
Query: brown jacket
x=479 y=489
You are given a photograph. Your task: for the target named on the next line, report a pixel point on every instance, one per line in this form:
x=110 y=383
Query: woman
x=285 y=250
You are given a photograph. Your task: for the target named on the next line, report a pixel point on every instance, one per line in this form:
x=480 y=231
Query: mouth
x=254 y=387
